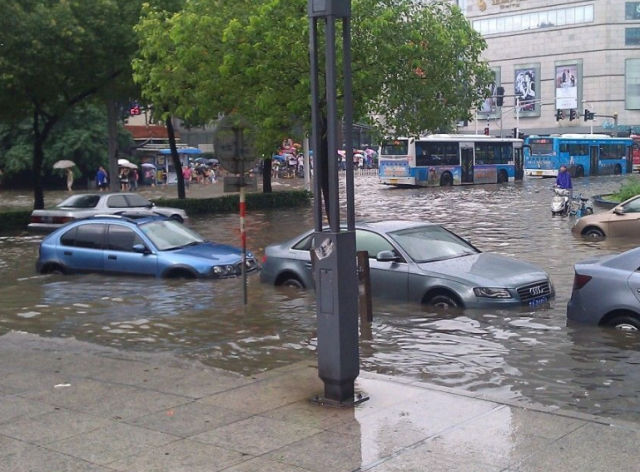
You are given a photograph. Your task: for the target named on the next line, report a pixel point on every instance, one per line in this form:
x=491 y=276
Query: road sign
x=234 y=145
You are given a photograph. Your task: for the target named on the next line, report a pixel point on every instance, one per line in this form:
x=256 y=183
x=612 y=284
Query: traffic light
x=588 y=115
x=499 y=96
x=134 y=110
x=515 y=132
x=559 y=115
x=521 y=135
x=486 y=131
x=573 y=115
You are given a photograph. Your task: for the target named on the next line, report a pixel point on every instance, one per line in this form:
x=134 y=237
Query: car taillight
x=264 y=259
x=580 y=280
x=61 y=219
x=36 y=219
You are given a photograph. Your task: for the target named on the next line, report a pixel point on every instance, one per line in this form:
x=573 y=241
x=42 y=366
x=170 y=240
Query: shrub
x=229 y=203
x=628 y=189
x=14 y=220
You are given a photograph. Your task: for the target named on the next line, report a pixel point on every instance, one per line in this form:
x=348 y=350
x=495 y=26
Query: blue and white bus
x=450 y=159
x=583 y=154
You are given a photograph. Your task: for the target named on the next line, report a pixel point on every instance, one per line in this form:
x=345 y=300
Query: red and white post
x=243 y=239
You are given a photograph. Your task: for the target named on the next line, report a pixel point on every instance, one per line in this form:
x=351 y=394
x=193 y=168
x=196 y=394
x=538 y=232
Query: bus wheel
x=446 y=180
x=579 y=171
x=502 y=176
x=617 y=170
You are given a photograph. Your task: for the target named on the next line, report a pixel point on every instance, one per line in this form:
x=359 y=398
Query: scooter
x=581 y=206
x=561 y=202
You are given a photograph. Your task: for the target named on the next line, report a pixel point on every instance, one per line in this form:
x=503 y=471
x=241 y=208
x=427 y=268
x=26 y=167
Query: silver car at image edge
x=421 y=262
x=606 y=291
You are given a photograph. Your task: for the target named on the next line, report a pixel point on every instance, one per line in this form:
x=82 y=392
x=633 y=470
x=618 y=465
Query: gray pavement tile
x=189 y=419
x=32 y=380
x=132 y=373
x=13 y=408
x=306 y=413
x=383 y=394
x=197 y=384
x=321 y=453
x=264 y=465
x=592 y=448
x=495 y=439
x=54 y=426
x=11 y=446
x=36 y=459
x=133 y=403
x=112 y=443
x=181 y=456
x=255 y=435
x=269 y=394
x=532 y=423
x=79 y=395
x=420 y=459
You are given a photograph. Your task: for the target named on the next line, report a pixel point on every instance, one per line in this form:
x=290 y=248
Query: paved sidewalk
x=69 y=406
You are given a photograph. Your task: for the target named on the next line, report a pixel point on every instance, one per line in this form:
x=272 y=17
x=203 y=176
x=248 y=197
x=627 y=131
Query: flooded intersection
x=531 y=355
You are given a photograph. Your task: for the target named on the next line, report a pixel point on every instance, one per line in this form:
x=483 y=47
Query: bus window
x=397 y=147
x=436 y=154
x=541 y=146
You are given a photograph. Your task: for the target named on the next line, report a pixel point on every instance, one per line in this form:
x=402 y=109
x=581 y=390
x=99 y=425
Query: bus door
x=519 y=162
x=630 y=151
x=593 y=161
x=466 y=161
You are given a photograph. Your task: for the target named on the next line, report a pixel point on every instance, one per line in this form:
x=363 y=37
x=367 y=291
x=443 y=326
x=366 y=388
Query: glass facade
x=530 y=21
x=632 y=84
x=632 y=11
x=632 y=36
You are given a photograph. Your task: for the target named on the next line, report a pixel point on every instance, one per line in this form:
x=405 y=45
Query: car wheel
x=593 y=233
x=617 y=170
x=580 y=171
x=55 y=270
x=177 y=218
x=293 y=282
x=180 y=275
x=502 y=177
x=625 y=323
x=444 y=302
x=588 y=211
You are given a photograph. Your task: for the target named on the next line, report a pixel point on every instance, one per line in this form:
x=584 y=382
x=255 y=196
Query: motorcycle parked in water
x=565 y=204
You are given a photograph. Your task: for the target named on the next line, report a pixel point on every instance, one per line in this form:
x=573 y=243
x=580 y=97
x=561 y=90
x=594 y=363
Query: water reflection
x=527 y=354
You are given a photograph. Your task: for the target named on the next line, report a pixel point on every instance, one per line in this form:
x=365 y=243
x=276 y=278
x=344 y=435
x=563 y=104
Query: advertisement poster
x=566 y=81
x=525 y=87
x=489 y=106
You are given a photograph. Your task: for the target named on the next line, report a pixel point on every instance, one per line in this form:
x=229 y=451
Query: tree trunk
x=112 y=128
x=266 y=176
x=176 y=158
x=39 y=138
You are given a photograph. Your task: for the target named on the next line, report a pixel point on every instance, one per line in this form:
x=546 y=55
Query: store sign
x=503 y=4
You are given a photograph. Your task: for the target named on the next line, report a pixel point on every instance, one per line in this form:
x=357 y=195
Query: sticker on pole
x=325 y=249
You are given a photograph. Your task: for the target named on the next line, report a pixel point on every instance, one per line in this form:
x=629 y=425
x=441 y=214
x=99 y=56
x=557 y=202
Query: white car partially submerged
x=90 y=204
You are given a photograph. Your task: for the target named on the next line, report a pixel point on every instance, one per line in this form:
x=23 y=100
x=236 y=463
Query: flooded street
x=531 y=355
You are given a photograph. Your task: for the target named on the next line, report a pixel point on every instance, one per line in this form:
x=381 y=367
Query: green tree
x=416 y=65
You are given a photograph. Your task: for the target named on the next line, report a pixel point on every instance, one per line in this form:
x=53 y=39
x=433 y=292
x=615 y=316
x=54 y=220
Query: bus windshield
x=397 y=147
x=541 y=146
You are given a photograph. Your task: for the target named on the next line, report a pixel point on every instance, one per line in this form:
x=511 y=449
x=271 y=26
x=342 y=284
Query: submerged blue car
x=152 y=246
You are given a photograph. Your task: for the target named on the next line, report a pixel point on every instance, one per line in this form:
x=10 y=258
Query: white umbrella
x=148 y=164
x=130 y=165
x=63 y=164
x=123 y=162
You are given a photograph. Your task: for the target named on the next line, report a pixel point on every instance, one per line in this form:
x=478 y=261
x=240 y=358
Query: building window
x=537 y=20
x=632 y=84
x=632 y=11
x=632 y=37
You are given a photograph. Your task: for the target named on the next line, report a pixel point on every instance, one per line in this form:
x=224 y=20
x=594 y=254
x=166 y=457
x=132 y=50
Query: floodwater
x=530 y=355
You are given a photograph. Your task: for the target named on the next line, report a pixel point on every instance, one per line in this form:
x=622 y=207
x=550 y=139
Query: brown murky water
x=530 y=355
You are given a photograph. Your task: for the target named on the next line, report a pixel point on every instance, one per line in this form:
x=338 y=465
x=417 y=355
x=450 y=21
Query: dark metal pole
x=332 y=124
x=315 y=125
x=348 y=121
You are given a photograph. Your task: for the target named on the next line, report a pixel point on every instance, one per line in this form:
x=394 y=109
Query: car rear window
x=137 y=201
x=90 y=236
x=117 y=201
x=80 y=201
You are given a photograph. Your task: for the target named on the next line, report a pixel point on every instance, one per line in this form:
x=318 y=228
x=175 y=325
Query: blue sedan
x=152 y=246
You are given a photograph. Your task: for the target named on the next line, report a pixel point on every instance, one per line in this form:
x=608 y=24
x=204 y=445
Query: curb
x=601 y=201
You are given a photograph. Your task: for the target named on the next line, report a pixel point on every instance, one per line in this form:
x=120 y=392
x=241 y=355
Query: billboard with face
x=489 y=107
x=566 y=82
x=525 y=87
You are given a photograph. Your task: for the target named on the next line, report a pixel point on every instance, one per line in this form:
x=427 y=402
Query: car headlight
x=219 y=270
x=488 y=292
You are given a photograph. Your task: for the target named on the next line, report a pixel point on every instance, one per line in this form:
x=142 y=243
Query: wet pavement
x=72 y=406
x=531 y=356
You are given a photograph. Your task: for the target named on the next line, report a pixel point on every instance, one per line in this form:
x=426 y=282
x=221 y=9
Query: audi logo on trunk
x=535 y=291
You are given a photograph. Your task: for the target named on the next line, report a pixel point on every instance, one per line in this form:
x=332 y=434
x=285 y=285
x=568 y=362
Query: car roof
x=389 y=226
x=130 y=217
x=629 y=260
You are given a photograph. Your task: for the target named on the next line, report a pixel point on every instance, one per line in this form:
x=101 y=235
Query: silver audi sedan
x=606 y=291
x=421 y=262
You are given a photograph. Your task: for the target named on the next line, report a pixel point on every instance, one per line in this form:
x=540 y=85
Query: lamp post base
x=353 y=401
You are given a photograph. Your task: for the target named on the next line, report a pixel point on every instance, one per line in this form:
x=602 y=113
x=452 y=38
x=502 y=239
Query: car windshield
x=431 y=243
x=80 y=201
x=138 y=201
x=168 y=234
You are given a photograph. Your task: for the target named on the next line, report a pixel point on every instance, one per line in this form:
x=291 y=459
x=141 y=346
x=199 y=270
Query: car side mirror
x=618 y=211
x=141 y=249
x=387 y=256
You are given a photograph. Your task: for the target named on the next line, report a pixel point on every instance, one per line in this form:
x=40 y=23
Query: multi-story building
x=558 y=56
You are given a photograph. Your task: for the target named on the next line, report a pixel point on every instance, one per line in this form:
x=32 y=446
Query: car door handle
x=308 y=265
x=112 y=257
x=68 y=253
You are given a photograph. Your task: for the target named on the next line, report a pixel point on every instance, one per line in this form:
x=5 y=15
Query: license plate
x=538 y=172
x=394 y=181
x=538 y=301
